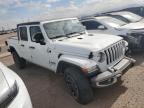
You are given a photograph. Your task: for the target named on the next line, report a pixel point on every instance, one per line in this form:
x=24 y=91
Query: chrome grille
x=114 y=52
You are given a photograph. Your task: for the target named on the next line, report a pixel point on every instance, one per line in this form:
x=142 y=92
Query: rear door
x=24 y=43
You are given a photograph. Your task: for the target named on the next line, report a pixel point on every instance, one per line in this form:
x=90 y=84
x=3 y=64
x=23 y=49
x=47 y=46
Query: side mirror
x=39 y=38
x=101 y=27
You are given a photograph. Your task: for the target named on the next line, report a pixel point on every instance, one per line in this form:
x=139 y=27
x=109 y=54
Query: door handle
x=22 y=45
x=31 y=47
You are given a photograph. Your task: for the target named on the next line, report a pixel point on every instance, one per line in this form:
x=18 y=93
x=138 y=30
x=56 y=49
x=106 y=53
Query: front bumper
x=110 y=76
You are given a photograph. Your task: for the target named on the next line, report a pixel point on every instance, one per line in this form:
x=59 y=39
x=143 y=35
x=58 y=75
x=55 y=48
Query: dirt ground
x=48 y=90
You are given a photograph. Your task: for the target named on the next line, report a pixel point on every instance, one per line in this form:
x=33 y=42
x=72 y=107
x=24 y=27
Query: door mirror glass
x=39 y=38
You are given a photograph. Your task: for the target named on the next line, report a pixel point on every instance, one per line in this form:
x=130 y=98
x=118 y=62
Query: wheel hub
x=72 y=86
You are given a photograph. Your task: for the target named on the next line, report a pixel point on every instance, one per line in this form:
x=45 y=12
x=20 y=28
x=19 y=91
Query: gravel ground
x=48 y=90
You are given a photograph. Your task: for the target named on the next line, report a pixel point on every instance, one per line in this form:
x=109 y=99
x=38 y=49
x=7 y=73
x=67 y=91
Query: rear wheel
x=19 y=62
x=78 y=85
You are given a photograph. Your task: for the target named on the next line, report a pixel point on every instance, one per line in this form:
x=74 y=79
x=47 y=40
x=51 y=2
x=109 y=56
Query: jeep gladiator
x=63 y=46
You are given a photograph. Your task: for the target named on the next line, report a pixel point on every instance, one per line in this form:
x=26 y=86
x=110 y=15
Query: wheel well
x=12 y=49
x=63 y=65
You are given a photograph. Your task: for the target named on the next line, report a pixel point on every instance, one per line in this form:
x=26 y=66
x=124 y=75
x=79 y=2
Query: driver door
x=39 y=53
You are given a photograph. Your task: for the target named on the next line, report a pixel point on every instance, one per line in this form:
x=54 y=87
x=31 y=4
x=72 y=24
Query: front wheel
x=19 y=62
x=78 y=85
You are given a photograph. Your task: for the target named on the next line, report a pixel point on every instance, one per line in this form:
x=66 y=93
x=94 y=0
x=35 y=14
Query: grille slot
x=114 y=52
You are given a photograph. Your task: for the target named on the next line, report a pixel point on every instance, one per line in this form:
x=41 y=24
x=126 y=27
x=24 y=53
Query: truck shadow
x=48 y=90
x=139 y=57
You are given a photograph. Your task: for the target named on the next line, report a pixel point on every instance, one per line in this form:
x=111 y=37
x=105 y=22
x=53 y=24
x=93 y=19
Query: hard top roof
x=43 y=21
x=29 y=23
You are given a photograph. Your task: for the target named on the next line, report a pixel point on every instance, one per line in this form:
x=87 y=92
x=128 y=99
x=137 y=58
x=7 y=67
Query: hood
x=86 y=43
x=133 y=26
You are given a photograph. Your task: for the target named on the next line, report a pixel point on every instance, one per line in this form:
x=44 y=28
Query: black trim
x=91 y=55
x=28 y=23
x=62 y=65
x=11 y=49
x=59 y=55
x=6 y=43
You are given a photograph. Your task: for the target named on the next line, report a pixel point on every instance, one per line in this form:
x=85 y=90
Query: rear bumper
x=110 y=76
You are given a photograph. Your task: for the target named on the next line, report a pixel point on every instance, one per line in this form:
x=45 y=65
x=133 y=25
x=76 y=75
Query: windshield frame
x=67 y=35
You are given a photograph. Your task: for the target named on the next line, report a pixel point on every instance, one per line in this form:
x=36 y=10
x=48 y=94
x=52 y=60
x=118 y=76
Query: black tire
x=19 y=62
x=78 y=85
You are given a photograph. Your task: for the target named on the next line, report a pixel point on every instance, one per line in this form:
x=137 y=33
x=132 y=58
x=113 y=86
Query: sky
x=18 y=11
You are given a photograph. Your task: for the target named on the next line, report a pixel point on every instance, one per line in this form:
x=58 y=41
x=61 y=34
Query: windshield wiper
x=77 y=34
x=68 y=35
x=58 y=36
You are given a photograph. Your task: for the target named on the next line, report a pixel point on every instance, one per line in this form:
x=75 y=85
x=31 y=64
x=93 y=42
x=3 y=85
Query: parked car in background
x=128 y=16
x=2 y=32
x=64 y=46
x=133 y=33
x=13 y=92
x=139 y=10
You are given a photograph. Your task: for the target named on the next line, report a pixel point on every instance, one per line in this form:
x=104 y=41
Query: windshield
x=132 y=17
x=113 y=22
x=121 y=18
x=63 y=28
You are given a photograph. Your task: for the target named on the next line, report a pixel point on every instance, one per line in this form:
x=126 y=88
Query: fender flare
x=77 y=62
x=12 y=49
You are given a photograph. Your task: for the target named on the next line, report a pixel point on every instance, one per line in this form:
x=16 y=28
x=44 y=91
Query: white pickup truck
x=64 y=46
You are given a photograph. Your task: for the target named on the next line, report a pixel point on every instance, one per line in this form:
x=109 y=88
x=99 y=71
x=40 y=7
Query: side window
x=91 y=25
x=33 y=31
x=121 y=18
x=23 y=33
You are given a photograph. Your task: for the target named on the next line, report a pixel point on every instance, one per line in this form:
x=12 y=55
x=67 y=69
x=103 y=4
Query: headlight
x=101 y=57
x=134 y=38
x=125 y=43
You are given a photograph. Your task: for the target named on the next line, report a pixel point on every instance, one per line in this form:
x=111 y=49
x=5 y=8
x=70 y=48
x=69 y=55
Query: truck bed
x=14 y=37
x=13 y=42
